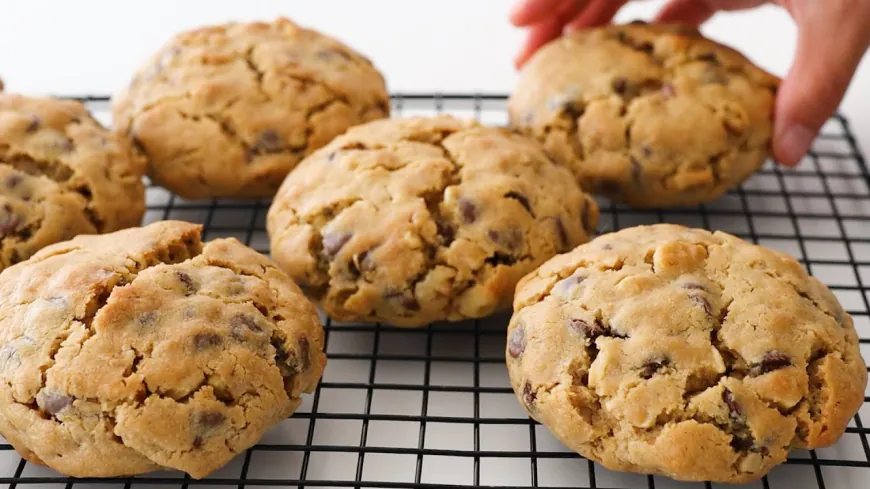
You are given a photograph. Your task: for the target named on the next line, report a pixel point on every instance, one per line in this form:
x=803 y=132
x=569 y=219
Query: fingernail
x=794 y=142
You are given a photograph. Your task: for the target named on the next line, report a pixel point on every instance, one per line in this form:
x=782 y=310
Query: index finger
x=528 y=12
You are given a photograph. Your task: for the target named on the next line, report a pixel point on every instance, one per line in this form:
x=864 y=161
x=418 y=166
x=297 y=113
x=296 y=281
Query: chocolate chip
x=561 y=233
x=13 y=180
x=147 y=318
x=567 y=106
x=268 y=141
x=668 y=90
x=653 y=365
x=331 y=156
x=411 y=304
x=522 y=199
x=208 y=420
x=620 y=85
x=517 y=342
x=646 y=47
x=241 y=323
x=693 y=286
x=34 y=124
x=361 y=262
x=197 y=441
x=447 y=233
x=742 y=443
x=709 y=57
x=186 y=281
x=9 y=221
x=467 y=210
x=772 y=360
x=204 y=341
x=607 y=247
x=331 y=54
x=500 y=259
x=704 y=303
x=646 y=150
x=53 y=403
x=333 y=242
x=567 y=284
x=64 y=144
x=529 y=395
x=304 y=352
x=735 y=410
x=511 y=239
x=586 y=329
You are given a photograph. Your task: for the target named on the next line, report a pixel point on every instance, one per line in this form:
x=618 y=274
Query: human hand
x=833 y=35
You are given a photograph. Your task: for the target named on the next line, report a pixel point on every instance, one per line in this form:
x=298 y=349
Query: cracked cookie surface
x=418 y=220
x=676 y=351
x=228 y=111
x=146 y=349
x=649 y=115
x=61 y=174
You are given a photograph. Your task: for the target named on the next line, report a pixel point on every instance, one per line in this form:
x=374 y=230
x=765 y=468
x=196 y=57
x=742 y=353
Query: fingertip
x=792 y=143
x=689 y=12
x=527 y=12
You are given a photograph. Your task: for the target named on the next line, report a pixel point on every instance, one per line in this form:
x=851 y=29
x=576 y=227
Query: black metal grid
x=432 y=407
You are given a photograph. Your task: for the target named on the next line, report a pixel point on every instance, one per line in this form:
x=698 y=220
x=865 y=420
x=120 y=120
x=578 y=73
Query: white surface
x=93 y=46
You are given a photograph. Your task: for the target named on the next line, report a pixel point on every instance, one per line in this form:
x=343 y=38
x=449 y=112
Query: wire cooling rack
x=433 y=407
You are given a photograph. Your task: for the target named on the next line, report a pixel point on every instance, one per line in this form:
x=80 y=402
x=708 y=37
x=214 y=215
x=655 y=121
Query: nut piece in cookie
x=649 y=115
x=676 y=351
x=227 y=111
x=163 y=352
x=418 y=220
x=61 y=174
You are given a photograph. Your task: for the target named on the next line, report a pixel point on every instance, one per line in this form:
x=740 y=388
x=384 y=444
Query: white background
x=93 y=46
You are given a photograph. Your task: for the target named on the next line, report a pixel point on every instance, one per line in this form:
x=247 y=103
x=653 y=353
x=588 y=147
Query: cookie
x=227 y=111
x=418 y=220
x=61 y=174
x=648 y=115
x=675 y=351
x=148 y=350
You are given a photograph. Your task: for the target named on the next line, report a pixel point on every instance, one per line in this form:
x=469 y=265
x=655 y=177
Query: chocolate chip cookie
x=61 y=174
x=146 y=349
x=227 y=111
x=418 y=220
x=649 y=115
x=676 y=351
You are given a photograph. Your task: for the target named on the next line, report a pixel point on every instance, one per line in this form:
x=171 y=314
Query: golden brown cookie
x=649 y=115
x=146 y=349
x=227 y=111
x=61 y=174
x=675 y=351
x=418 y=220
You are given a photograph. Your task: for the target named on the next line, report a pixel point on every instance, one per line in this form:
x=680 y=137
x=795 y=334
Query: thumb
x=832 y=38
